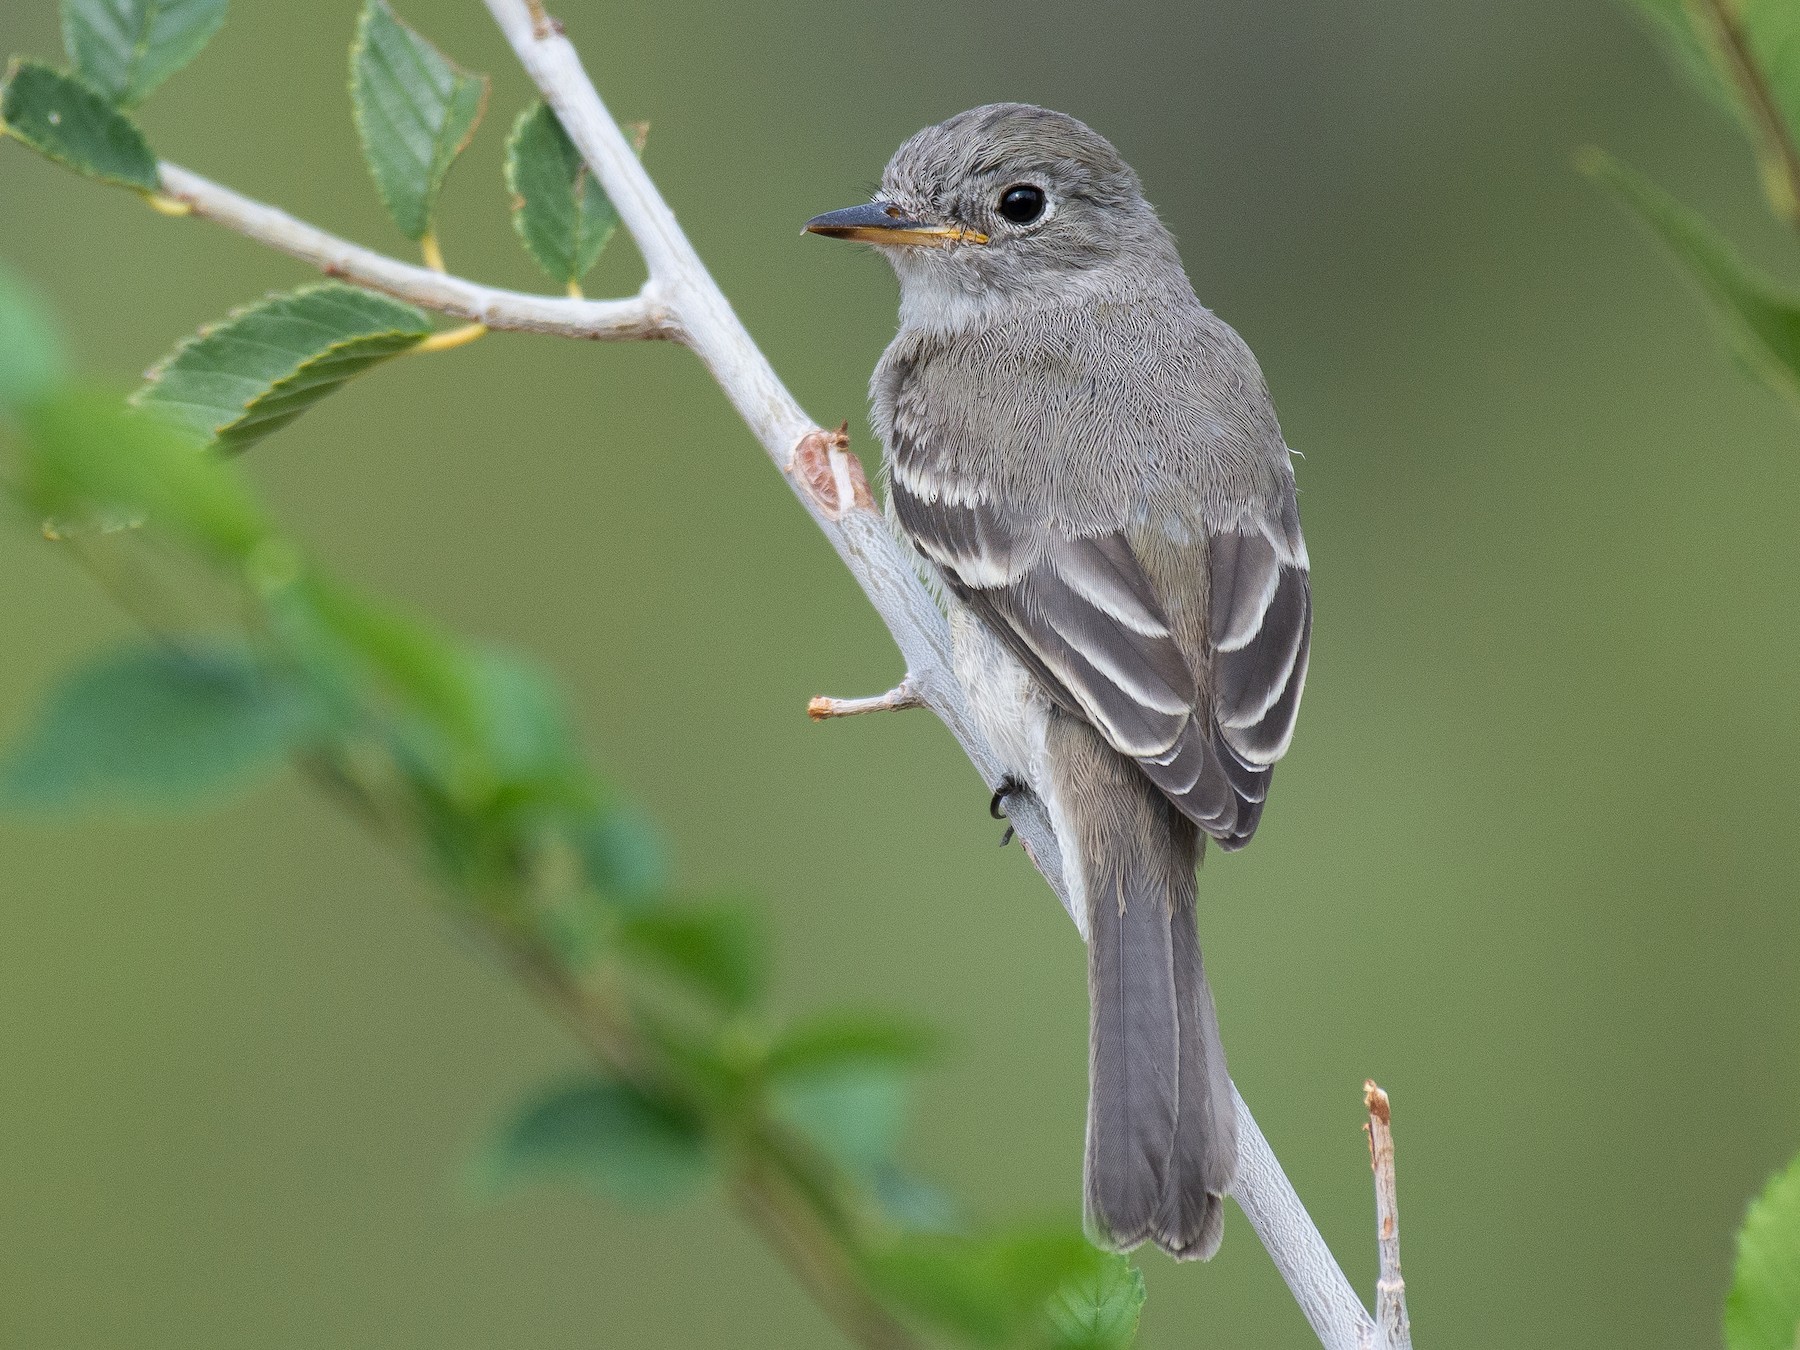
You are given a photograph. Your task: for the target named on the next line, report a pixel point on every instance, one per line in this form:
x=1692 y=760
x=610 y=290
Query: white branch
x=900 y=697
x=642 y=316
x=1393 y=1330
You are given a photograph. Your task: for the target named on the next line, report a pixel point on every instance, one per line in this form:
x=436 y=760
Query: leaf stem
x=431 y=252
x=1721 y=30
x=451 y=338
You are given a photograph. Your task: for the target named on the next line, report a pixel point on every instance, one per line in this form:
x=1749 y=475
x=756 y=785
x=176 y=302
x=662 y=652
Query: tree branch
x=835 y=494
x=1393 y=1330
x=641 y=316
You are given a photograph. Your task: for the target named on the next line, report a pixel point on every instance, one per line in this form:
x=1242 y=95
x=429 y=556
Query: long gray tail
x=1161 y=1133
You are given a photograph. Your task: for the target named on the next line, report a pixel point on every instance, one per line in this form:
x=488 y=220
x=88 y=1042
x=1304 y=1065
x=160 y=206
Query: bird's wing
x=1083 y=614
x=1259 y=625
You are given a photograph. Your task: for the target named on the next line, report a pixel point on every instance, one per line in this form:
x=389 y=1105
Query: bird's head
x=1004 y=204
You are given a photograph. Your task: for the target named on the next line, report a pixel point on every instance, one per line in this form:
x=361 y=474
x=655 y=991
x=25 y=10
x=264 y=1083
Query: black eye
x=1022 y=204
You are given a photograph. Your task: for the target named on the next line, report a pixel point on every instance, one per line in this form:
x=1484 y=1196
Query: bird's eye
x=1022 y=203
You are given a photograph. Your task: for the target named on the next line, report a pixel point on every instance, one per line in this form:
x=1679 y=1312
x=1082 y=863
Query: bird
x=1088 y=464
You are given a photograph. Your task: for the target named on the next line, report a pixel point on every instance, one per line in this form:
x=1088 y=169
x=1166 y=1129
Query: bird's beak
x=881 y=223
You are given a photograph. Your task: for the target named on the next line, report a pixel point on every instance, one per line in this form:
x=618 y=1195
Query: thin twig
x=1392 y=1330
x=640 y=316
x=888 y=576
x=1722 y=30
x=901 y=696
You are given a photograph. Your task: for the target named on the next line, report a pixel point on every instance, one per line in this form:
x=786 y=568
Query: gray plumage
x=1090 y=463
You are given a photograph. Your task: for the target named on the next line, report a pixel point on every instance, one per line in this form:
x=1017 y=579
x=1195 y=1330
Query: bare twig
x=1392 y=1330
x=901 y=696
x=1721 y=29
x=887 y=575
x=641 y=316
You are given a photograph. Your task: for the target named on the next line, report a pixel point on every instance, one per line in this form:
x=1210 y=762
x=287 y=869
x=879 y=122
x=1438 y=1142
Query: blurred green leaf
x=913 y=1204
x=560 y=210
x=843 y=1080
x=125 y=48
x=32 y=361
x=1760 y=320
x=622 y=852
x=258 y=369
x=993 y=1291
x=1768 y=31
x=855 y=1114
x=415 y=111
x=1763 y=1309
x=1098 y=1310
x=527 y=739
x=850 y=1040
x=155 y=725
x=87 y=457
x=718 y=952
x=63 y=119
x=601 y=1134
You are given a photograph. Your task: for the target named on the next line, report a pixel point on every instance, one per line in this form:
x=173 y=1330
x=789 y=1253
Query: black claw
x=997 y=803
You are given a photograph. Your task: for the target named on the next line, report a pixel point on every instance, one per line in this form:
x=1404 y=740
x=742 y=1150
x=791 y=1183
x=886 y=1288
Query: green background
x=1530 y=863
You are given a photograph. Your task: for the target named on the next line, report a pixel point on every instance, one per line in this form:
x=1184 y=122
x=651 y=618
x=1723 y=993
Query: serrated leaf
x=255 y=371
x=87 y=457
x=1099 y=1309
x=603 y=1135
x=155 y=725
x=415 y=111
x=718 y=952
x=64 y=120
x=1759 y=319
x=560 y=210
x=32 y=363
x=1763 y=1310
x=126 y=48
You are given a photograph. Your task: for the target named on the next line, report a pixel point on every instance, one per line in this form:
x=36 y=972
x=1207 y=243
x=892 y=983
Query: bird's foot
x=997 y=804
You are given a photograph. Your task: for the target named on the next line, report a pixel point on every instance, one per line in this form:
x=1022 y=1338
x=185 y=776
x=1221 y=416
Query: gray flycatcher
x=1089 y=462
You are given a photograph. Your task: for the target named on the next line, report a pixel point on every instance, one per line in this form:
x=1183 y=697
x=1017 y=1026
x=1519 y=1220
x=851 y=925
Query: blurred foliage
x=1746 y=55
x=463 y=756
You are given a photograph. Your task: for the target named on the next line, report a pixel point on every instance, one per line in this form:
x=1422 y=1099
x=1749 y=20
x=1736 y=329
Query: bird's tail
x=1161 y=1131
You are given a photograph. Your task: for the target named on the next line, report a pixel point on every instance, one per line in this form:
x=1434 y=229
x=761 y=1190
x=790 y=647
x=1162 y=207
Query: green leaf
x=155 y=725
x=1759 y=319
x=125 y=48
x=87 y=457
x=622 y=852
x=560 y=210
x=415 y=111
x=66 y=121
x=603 y=1135
x=1099 y=1309
x=1769 y=33
x=719 y=952
x=32 y=361
x=1763 y=1309
x=993 y=1291
x=843 y=1080
x=251 y=374
x=850 y=1041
